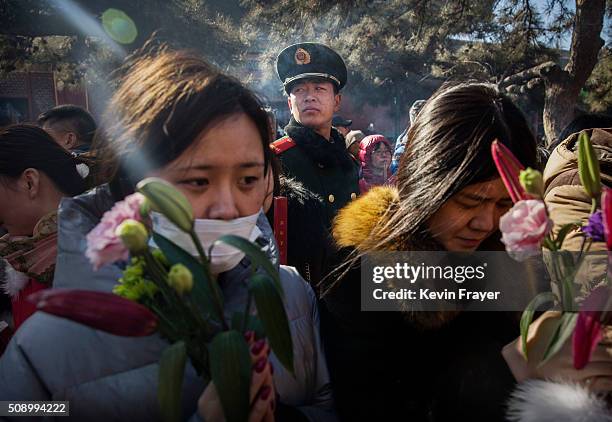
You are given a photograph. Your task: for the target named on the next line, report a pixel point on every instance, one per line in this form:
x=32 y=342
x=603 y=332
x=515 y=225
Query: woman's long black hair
x=24 y=146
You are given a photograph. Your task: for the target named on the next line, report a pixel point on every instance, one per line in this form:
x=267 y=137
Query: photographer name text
x=428 y=294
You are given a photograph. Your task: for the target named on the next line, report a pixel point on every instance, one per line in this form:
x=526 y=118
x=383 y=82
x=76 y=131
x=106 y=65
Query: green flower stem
x=582 y=246
x=161 y=315
x=200 y=322
x=216 y=298
x=158 y=273
x=160 y=277
x=558 y=273
x=593 y=205
x=568 y=282
x=585 y=247
x=567 y=297
x=584 y=250
x=197 y=352
x=549 y=244
x=201 y=252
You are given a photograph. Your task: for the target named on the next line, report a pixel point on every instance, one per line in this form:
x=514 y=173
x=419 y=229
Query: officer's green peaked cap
x=310 y=60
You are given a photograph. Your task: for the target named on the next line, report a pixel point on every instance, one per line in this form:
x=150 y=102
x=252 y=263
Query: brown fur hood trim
x=354 y=223
x=355 y=226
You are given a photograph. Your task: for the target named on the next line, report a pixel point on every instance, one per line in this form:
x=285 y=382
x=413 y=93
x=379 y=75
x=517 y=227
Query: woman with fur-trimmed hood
x=432 y=366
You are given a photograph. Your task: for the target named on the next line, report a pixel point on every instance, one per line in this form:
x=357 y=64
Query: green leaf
x=170 y=381
x=527 y=316
x=564 y=330
x=568 y=302
x=255 y=254
x=549 y=244
x=254 y=324
x=230 y=367
x=273 y=317
x=563 y=232
x=201 y=294
x=567 y=269
x=567 y=262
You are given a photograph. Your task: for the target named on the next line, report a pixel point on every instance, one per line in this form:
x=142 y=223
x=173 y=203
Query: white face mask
x=224 y=257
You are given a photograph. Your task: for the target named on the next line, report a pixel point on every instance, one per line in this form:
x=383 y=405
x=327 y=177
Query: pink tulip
x=103 y=244
x=509 y=169
x=587 y=333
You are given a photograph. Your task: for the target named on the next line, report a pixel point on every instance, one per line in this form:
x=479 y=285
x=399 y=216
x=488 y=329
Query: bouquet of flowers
x=164 y=288
x=527 y=230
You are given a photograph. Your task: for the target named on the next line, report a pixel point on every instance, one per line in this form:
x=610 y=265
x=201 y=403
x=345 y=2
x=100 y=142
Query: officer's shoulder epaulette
x=281 y=145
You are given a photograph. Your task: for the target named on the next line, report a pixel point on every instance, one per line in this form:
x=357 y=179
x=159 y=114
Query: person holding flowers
x=572 y=341
x=444 y=365
x=448 y=197
x=176 y=118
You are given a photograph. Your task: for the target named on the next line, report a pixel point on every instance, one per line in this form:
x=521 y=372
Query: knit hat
x=353 y=136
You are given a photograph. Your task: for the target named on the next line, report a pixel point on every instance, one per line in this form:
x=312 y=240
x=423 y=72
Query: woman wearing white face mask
x=223 y=257
x=173 y=116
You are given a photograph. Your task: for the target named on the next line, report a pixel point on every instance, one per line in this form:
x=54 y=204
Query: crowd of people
x=175 y=116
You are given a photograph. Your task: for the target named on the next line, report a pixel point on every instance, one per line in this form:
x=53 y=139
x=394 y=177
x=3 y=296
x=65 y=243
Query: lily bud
x=100 y=310
x=180 y=279
x=169 y=201
x=508 y=167
x=588 y=331
x=532 y=181
x=588 y=166
x=134 y=235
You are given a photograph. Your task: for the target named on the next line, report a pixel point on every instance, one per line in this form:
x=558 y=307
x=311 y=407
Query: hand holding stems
x=596 y=375
x=262 y=393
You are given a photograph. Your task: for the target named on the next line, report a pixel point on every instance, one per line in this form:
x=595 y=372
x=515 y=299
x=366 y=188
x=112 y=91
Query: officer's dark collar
x=330 y=153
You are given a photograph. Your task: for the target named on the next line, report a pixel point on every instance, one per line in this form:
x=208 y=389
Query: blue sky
x=566 y=40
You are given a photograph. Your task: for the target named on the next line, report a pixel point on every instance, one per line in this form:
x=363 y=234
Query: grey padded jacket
x=111 y=378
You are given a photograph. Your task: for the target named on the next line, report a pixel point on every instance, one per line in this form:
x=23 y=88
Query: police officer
x=313 y=152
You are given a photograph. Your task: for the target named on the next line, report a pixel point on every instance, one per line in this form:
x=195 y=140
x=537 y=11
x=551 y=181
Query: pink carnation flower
x=103 y=245
x=524 y=227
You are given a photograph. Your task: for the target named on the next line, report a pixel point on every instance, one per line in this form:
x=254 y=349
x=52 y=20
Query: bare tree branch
x=543 y=70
